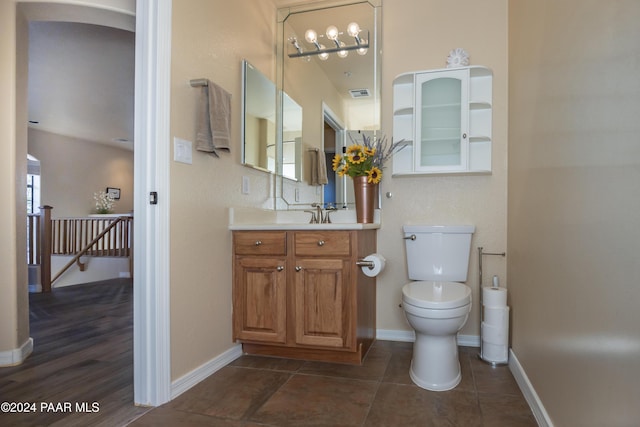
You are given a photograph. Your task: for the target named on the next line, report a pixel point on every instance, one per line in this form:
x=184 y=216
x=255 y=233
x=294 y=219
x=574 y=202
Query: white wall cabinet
x=444 y=116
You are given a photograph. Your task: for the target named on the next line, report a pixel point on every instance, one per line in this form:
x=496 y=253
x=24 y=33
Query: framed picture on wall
x=114 y=193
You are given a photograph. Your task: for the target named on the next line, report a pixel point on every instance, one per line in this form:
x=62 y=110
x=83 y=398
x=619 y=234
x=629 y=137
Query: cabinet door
x=441 y=116
x=322 y=295
x=259 y=299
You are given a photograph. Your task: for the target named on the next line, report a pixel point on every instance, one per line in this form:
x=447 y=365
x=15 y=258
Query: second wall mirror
x=329 y=62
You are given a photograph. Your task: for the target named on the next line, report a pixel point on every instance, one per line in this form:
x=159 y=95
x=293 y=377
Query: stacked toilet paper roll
x=495 y=325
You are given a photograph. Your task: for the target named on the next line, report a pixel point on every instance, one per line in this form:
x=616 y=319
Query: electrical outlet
x=245 y=185
x=297 y=194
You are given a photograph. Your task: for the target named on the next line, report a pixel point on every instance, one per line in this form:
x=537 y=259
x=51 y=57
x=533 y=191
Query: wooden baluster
x=45 y=247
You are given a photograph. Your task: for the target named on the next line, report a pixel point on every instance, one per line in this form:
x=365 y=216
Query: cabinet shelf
x=437 y=106
x=405 y=111
x=480 y=105
x=479 y=138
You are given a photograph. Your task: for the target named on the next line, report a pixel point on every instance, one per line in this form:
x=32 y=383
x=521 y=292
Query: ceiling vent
x=359 y=93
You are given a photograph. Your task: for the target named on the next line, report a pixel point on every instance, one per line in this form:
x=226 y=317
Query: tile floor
x=262 y=391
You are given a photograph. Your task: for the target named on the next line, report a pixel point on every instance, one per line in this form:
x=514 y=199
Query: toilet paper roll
x=494 y=334
x=494 y=297
x=496 y=316
x=378 y=265
x=495 y=353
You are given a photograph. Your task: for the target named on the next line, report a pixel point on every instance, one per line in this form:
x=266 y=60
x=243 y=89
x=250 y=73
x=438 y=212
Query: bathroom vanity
x=298 y=292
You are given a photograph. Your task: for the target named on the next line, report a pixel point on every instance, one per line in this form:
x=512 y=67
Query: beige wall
x=14 y=325
x=418 y=35
x=209 y=40
x=72 y=170
x=574 y=199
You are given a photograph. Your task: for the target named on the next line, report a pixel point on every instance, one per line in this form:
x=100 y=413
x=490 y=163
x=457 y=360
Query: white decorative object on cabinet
x=444 y=116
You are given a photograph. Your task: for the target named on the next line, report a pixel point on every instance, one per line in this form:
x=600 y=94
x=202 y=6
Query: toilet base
x=435 y=365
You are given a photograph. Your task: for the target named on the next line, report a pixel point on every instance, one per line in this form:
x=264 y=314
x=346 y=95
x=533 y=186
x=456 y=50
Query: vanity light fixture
x=332 y=34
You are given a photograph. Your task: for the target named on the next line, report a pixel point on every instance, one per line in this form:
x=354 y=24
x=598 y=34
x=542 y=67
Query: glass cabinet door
x=441 y=111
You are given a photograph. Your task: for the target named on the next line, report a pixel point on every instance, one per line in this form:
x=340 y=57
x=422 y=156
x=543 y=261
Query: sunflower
x=369 y=151
x=374 y=174
x=344 y=170
x=354 y=148
x=337 y=160
x=357 y=157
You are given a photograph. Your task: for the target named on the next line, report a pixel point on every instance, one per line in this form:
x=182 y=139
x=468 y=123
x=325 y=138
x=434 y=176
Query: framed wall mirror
x=328 y=61
x=258 y=120
x=291 y=138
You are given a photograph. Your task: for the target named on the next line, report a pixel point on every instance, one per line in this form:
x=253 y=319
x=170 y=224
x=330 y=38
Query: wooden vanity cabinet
x=259 y=288
x=310 y=302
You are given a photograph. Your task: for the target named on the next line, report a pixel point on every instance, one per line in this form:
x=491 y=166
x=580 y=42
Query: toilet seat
x=436 y=295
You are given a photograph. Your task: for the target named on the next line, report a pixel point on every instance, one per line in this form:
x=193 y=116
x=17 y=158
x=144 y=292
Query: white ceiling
x=81 y=81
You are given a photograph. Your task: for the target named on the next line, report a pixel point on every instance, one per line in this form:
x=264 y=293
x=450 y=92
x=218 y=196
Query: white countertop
x=263 y=219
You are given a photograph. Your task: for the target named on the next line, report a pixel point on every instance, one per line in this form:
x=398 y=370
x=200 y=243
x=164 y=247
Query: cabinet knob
x=320 y=242
x=258 y=242
x=464 y=136
x=298 y=268
x=279 y=268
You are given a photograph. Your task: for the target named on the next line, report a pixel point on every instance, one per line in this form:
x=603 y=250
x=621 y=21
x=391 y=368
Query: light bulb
x=311 y=36
x=332 y=32
x=362 y=50
x=324 y=55
x=343 y=53
x=353 y=29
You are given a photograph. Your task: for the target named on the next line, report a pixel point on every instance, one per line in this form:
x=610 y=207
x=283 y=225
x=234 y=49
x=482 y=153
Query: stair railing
x=124 y=250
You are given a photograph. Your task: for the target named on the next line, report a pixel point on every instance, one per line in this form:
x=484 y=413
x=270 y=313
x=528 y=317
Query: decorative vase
x=365 y=194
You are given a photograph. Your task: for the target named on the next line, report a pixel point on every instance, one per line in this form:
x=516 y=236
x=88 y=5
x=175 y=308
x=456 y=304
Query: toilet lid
x=436 y=295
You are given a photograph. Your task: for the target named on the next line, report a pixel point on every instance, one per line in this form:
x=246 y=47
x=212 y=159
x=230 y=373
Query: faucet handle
x=326 y=219
x=313 y=219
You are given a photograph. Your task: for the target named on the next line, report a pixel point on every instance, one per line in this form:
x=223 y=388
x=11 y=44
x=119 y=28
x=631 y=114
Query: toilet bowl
x=436 y=311
x=436 y=303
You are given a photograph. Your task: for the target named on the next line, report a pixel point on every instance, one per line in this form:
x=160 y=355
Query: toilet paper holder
x=481 y=253
x=364 y=263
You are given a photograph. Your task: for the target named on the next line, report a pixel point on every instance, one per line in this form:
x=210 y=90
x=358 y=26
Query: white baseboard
x=395 y=335
x=410 y=336
x=124 y=275
x=189 y=380
x=528 y=391
x=16 y=356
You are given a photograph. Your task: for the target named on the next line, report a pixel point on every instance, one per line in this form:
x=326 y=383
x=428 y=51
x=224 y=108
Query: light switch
x=182 y=151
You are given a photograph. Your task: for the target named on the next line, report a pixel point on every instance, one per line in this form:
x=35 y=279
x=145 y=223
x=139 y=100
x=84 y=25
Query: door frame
x=151 y=294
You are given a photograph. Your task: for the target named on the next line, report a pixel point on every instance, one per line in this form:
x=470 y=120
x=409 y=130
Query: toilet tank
x=438 y=252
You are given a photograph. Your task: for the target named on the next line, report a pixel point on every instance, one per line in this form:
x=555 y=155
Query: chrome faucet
x=316 y=215
x=319 y=216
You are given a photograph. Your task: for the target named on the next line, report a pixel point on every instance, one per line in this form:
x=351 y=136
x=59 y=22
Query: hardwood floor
x=83 y=355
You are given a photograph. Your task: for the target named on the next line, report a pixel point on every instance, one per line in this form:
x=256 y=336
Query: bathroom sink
x=264 y=219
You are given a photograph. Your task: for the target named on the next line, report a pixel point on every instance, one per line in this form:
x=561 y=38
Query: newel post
x=45 y=247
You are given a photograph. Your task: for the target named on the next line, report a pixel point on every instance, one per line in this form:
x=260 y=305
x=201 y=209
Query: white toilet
x=436 y=304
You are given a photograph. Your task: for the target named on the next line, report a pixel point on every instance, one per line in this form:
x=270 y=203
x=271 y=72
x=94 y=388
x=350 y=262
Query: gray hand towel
x=214 y=119
x=318 y=168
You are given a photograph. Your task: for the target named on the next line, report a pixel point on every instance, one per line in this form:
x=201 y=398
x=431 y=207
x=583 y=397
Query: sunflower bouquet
x=366 y=159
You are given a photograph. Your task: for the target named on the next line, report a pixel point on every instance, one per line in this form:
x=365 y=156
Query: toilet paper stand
x=481 y=253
